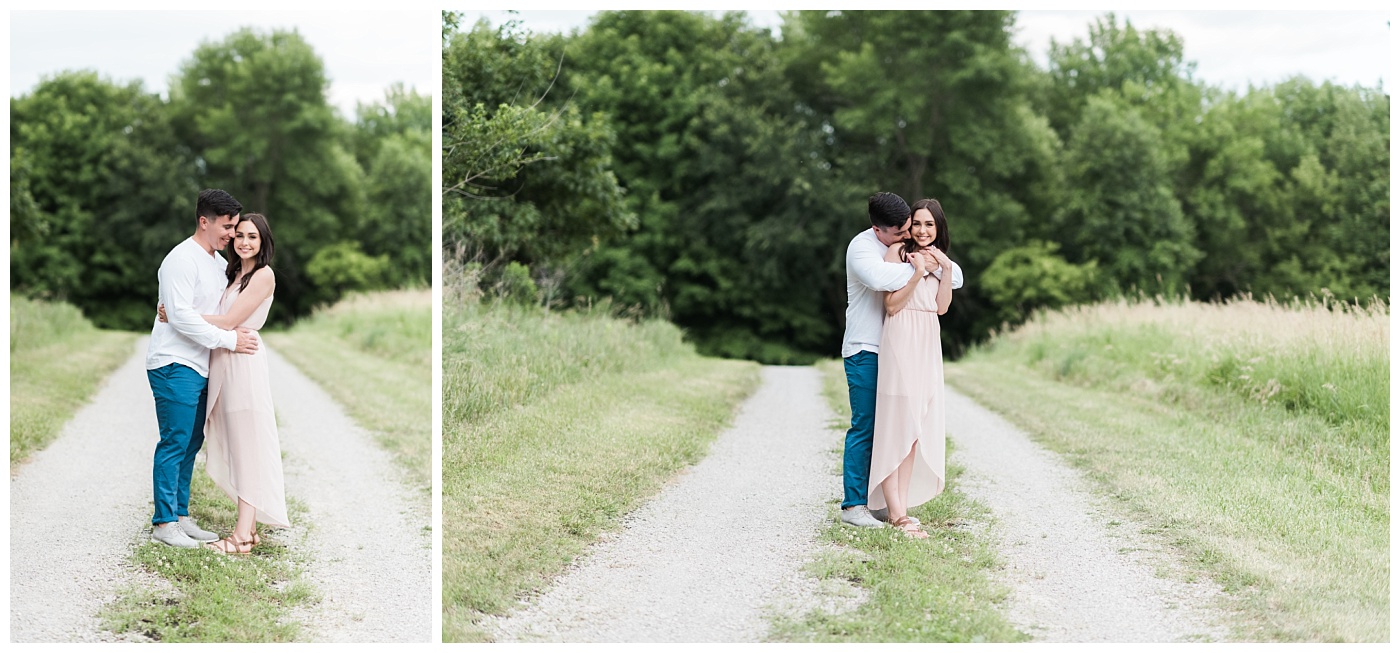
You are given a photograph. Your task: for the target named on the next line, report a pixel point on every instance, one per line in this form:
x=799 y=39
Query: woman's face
x=247 y=242
x=922 y=229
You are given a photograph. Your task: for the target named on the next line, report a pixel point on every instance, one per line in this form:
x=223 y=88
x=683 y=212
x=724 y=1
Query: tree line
x=104 y=176
x=699 y=168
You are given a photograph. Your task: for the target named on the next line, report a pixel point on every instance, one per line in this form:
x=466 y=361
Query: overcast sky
x=1231 y=48
x=363 y=51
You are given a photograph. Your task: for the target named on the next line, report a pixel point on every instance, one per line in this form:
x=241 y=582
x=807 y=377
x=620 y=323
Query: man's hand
x=247 y=341
x=160 y=313
x=920 y=263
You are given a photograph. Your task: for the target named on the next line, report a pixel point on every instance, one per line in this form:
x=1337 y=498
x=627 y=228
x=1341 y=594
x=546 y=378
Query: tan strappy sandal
x=909 y=527
x=230 y=546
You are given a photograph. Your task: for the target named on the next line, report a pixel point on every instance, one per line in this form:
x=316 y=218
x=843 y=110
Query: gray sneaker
x=883 y=514
x=170 y=533
x=860 y=516
x=190 y=528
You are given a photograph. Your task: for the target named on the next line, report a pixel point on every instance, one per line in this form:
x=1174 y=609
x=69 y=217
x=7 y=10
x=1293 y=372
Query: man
x=192 y=281
x=868 y=275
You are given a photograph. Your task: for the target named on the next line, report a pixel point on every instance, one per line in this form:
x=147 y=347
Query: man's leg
x=862 y=370
x=182 y=495
x=177 y=393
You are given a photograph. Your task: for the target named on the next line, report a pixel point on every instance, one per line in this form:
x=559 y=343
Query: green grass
x=57 y=361
x=934 y=590
x=1252 y=436
x=555 y=425
x=373 y=354
x=215 y=598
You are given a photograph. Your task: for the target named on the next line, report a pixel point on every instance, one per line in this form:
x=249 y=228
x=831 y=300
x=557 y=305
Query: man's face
x=220 y=230
x=890 y=235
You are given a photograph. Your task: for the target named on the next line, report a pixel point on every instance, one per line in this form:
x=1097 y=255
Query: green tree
x=738 y=219
x=1123 y=211
x=1034 y=276
x=344 y=268
x=101 y=189
x=932 y=104
x=527 y=175
x=394 y=147
x=253 y=107
x=1288 y=187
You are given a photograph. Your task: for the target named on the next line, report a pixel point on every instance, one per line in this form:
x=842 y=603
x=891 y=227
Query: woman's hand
x=160 y=312
x=937 y=255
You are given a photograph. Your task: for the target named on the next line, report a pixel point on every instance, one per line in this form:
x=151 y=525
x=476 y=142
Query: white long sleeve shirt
x=192 y=282
x=867 y=275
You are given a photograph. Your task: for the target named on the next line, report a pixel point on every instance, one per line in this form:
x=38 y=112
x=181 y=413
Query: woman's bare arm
x=895 y=301
x=945 y=279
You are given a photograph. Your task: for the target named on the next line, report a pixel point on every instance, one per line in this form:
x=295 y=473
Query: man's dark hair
x=888 y=210
x=214 y=203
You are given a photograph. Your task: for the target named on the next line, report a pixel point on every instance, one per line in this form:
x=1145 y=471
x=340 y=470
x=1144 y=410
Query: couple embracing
x=899 y=279
x=209 y=376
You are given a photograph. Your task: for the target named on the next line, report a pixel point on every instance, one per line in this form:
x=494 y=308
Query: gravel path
x=721 y=548
x=706 y=559
x=1074 y=578
x=79 y=507
x=369 y=547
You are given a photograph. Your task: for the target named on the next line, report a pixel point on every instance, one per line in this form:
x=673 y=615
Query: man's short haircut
x=888 y=210
x=214 y=203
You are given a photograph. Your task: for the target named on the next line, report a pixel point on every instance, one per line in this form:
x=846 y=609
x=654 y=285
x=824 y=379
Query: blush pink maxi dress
x=243 y=454
x=909 y=408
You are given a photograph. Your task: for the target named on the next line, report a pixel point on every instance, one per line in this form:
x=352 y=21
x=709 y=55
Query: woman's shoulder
x=263 y=280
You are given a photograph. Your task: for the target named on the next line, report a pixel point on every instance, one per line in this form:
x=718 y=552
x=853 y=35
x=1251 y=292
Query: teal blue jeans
x=862 y=371
x=180 y=394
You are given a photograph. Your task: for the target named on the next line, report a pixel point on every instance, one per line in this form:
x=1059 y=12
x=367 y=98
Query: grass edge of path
x=656 y=421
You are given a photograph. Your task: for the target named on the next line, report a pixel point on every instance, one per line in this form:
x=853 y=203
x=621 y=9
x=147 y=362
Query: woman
x=242 y=452
x=906 y=460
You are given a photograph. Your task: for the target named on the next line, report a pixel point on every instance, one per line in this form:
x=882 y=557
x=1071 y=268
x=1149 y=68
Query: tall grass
x=373 y=353
x=554 y=425
x=57 y=361
x=1254 y=435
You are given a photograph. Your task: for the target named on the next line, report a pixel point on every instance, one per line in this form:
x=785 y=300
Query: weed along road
x=81 y=506
x=722 y=549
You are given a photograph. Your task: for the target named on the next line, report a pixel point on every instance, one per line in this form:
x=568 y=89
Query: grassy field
x=554 y=425
x=934 y=590
x=57 y=361
x=373 y=354
x=1253 y=436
